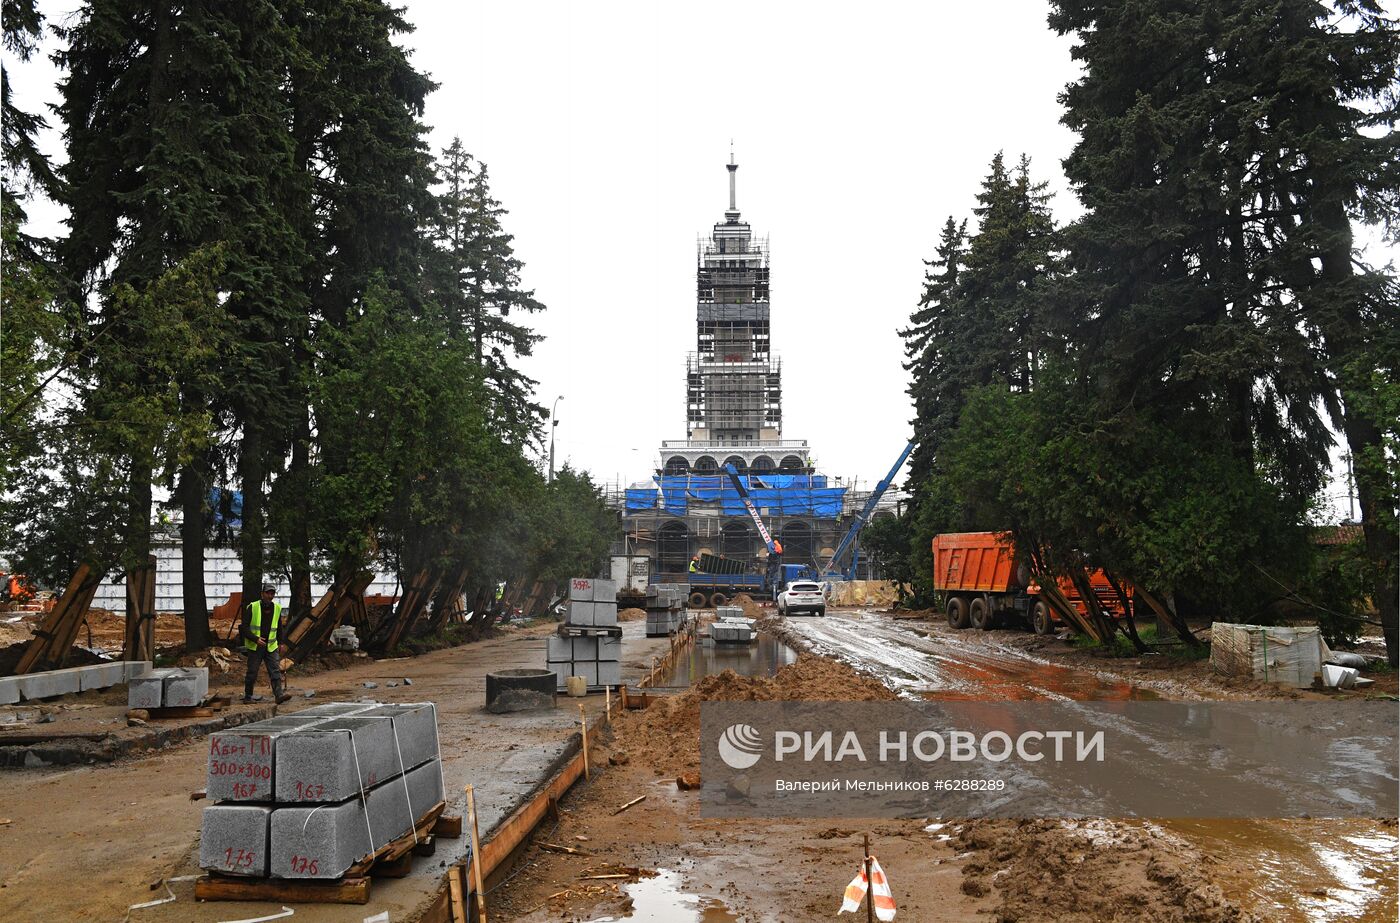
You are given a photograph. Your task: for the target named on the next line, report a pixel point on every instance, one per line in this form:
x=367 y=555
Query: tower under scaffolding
x=734 y=415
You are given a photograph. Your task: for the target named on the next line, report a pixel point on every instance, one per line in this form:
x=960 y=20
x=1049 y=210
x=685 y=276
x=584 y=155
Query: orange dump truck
x=988 y=582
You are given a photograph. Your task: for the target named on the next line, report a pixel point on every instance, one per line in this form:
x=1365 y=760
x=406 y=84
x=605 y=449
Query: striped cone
x=855 y=892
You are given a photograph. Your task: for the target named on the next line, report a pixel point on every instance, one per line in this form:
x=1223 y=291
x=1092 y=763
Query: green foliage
x=886 y=539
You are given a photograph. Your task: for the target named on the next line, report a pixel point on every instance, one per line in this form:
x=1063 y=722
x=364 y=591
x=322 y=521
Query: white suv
x=803 y=596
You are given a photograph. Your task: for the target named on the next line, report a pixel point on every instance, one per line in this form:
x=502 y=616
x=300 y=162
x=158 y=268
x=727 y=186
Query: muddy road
x=1308 y=871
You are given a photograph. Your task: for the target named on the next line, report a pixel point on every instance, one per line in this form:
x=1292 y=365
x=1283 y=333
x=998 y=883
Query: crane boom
x=733 y=473
x=849 y=539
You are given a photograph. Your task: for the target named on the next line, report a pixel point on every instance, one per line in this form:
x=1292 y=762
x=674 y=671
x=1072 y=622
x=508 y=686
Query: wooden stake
x=454 y=884
x=607 y=703
x=476 y=857
x=869 y=885
x=583 y=722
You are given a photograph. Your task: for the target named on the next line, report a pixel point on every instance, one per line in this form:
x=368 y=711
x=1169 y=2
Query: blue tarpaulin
x=775 y=494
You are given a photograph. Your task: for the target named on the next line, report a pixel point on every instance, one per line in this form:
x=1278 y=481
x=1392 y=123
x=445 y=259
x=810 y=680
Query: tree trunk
x=250 y=536
x=300 y=537
x=191 y=490
x=1340 y=319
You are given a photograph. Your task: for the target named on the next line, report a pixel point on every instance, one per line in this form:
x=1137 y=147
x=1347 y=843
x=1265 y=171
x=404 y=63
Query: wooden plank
x=39 y=648
x=342 y=891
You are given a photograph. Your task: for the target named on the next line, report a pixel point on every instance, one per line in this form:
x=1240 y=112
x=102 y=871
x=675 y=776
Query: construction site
x=1028 y=565
x=545 y=765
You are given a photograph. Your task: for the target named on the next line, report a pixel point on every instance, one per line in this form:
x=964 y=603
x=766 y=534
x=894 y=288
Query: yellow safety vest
x=255 y=625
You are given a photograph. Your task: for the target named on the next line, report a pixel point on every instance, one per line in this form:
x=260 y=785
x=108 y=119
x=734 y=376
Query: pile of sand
x=1090 y=870
x=631 y=615
x=752 y=610
x=667 y=735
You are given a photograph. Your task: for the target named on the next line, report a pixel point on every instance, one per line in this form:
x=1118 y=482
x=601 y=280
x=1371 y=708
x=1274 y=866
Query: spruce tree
x=176 y=125
x=475 y=278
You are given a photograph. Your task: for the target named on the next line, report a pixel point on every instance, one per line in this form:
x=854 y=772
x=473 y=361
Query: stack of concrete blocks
x=168 y=687
x=46 y=684
x=589 y=643
x=730 y=626
x=309 y=795
x=665 y=608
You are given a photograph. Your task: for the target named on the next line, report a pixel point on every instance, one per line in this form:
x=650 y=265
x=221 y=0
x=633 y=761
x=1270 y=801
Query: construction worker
x=695 y=564
x=261 y=619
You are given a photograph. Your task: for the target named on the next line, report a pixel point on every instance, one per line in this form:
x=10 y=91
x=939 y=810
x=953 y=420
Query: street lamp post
x=553 y=425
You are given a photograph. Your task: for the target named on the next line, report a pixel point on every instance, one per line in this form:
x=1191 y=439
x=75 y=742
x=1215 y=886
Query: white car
x=802 y=596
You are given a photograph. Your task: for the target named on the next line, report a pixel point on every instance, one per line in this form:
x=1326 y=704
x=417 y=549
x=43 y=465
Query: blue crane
x=849 y=540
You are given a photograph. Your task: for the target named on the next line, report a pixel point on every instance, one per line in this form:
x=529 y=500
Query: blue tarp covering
x=777 y=494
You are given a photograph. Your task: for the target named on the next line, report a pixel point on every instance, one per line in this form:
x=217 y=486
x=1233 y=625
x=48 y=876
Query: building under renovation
x=734 y=415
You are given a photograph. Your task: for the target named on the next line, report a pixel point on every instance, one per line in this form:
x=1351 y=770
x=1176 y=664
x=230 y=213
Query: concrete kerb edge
x=114 y=747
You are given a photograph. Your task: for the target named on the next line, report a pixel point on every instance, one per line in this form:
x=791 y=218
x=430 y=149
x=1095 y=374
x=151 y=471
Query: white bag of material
x=1275 y=654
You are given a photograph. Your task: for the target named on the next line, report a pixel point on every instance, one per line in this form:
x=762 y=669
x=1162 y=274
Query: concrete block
x=242 y=761
x=415 y=731
x=585 y=649
x=562 y=670
x=102 y=675
x=187 y=688
x=337 y=709
x=609 y=673
x=589 y=671
x=425 y=787
x=318 y=842
x=605 y=591
x=9 y=690
x=333 y=760
x=558 y=647
x=233 y=839
x=604 y=614
x=580 y=613
x=49 y=683
x=148 y=689
x=135 y=668
x=581 y=589
x=609 y=649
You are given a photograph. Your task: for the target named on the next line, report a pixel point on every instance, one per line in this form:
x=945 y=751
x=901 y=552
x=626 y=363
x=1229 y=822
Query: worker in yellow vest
x=261 y=619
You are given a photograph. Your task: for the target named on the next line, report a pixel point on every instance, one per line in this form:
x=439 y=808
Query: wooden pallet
x=392 y=860
x=210 y=707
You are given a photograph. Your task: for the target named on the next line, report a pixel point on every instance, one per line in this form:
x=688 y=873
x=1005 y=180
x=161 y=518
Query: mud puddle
x=1300 y=871
x=1296 y=871
x=764 y=657
x=918 y=666
x=662 y=900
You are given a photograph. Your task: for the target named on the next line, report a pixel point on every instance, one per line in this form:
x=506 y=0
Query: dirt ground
x=671 y=864
x=84 y=843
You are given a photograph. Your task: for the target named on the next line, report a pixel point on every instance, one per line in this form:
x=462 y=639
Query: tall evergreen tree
x=358 y=144
x=176 y=127
x=1220 y=150
x=984 y=318
x=475 y=277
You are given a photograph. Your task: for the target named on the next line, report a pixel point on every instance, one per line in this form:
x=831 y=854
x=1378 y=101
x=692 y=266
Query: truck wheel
x=697 y=600
x=957 y=612
x=980 y=614
x=1041 y=621
x=719 y=599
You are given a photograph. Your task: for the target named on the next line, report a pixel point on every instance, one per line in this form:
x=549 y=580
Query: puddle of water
x=661 y=900
x=980 y=676
x=764 y=657
x=1306 y=872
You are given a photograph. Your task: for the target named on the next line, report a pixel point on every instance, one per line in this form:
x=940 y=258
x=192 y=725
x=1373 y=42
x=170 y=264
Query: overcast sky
x=606 y=126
